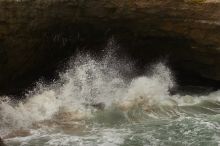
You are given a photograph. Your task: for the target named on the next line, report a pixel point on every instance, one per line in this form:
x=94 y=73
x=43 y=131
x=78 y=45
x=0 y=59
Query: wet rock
x=1 y=142
x=18 y=133
x=98 y=106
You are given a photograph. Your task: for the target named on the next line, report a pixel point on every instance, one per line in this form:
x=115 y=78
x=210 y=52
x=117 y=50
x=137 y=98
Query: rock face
x=1 y=142
x=36 y=35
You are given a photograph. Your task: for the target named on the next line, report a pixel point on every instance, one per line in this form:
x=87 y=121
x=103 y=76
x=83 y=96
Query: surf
x=93 y=97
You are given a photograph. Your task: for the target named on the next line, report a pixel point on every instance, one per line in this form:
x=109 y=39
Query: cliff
x=36 y=35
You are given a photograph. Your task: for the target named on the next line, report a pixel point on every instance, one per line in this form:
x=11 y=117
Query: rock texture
x=35 y=35
x=1 y=142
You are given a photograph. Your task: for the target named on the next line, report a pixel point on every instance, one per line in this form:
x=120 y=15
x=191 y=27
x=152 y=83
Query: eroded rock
x=36 y=35
x=1 y=142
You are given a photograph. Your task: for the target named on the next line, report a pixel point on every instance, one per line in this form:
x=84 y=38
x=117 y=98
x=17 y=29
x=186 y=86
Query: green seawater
x=191 y=125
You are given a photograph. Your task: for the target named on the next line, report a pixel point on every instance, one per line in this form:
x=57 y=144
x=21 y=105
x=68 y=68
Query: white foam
x=89 y=80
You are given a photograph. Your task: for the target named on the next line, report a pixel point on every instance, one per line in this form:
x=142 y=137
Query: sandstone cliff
x=35 y=35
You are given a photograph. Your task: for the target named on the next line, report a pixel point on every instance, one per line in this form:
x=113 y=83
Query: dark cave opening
x=56 y=44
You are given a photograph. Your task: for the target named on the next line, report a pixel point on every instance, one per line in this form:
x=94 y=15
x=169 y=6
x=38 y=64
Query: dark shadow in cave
x=60 y=42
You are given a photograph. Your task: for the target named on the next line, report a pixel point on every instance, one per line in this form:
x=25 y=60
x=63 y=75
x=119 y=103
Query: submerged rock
x=36 y=35
x=98 y=106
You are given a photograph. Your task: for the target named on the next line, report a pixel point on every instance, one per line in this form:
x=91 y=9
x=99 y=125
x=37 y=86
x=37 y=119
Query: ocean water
x=94 y=104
